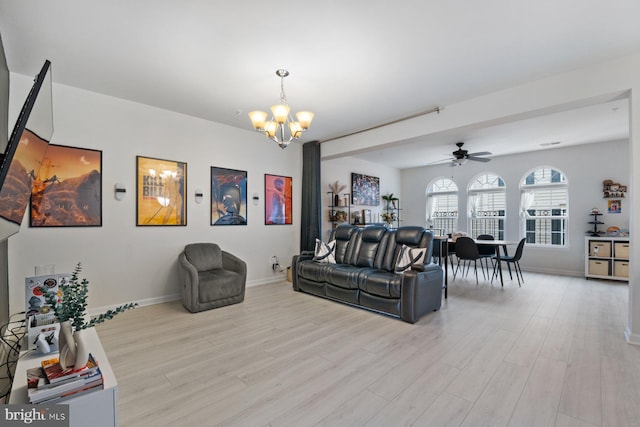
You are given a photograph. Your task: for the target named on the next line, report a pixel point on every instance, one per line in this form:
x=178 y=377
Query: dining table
x=444 y=255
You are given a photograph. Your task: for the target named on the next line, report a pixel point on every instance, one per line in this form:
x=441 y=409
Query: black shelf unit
x=596 y=223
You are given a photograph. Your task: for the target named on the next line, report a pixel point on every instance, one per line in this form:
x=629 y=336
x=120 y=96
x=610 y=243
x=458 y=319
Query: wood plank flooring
x=550 y=353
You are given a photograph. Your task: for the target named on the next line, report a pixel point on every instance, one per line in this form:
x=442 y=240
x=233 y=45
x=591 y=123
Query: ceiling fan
x=461 y=156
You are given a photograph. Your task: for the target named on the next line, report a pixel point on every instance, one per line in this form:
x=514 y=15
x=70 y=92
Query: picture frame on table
x=160 y=192
x=366 y=216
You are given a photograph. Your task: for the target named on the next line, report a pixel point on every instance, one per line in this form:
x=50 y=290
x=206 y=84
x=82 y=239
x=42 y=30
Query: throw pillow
x=409 y=256
x=324 y=251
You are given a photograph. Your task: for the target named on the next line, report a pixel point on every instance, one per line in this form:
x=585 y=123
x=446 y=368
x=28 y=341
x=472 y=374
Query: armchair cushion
x=204 y=256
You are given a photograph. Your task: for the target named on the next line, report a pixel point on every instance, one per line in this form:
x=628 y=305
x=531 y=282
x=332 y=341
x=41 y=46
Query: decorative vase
x=82 y=350
x=336 y=200
x=66 y=345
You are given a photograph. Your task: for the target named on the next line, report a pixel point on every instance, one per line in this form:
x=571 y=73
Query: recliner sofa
x=364 y=273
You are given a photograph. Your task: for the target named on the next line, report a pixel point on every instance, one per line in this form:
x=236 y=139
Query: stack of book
x=50 y=383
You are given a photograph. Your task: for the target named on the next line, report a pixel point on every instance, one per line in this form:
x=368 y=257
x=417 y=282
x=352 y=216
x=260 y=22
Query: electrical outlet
x=274 y=260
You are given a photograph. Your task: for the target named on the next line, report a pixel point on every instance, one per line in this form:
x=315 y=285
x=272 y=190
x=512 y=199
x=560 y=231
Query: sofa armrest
x=421 y=292
x=304 y=256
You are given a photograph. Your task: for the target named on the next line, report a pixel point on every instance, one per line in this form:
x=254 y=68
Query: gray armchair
x=210 y=277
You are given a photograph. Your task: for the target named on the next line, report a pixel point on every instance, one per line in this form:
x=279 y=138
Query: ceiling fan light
x=304 y=117
x=280 y=113
x=257 y=119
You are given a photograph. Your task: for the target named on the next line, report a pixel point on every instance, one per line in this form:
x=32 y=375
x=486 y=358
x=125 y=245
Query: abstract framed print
x=228 y=196
x=365 y=190
x=67 y=191
x=160 y=192
x=278 y=205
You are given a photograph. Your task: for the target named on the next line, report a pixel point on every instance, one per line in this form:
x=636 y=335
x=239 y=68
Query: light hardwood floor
x=549 y=353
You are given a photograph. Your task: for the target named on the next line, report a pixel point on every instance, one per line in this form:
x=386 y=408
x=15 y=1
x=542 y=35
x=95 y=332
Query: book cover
x=55 y=374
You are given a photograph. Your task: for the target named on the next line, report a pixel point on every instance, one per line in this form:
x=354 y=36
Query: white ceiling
x=355 y=64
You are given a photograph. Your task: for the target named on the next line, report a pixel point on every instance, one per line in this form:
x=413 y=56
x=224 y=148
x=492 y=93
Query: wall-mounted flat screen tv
x=20 y=163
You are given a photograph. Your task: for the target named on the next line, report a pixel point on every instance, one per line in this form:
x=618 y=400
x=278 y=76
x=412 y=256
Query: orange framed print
x=278 y=205
x=67 y=189
x=160 y=192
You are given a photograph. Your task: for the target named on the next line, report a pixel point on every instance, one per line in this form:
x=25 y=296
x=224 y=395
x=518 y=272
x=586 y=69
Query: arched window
x=442 y=205
x=487 y=205
x=544 y=206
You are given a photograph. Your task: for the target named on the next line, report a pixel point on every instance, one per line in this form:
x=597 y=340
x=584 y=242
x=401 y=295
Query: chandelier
x=281 y=120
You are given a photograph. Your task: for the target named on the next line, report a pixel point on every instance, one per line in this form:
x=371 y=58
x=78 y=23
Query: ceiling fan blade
x=438 y=162
x=481 y=153
x=478 y=159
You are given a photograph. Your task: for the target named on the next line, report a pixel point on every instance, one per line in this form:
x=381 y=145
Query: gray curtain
x=311 y=196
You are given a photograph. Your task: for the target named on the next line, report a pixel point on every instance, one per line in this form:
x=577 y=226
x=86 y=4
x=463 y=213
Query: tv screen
x=25 y=150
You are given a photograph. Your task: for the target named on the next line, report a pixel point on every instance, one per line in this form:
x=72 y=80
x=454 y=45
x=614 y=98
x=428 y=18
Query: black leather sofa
x=364 y=276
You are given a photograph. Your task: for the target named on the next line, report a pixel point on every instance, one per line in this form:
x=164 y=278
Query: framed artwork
x=160 y=192
x=67 y=191
x=278 y=205
x=228 y=196
x=365 y=190
x=615 y=206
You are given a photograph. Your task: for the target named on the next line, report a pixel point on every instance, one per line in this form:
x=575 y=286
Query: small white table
x=98 y=408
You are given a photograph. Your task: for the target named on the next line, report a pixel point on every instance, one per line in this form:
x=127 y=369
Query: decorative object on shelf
x=365 y=190
x=278 y=207
x=391 y=201
x=67 y=189
x=613 y=231
x=70 y=306
x=160 y=190
x=595 y=212
x=336 y=188
x=366 y=216
x=388 y=217
x=614 y=206
x=612 y=189
x=275 y=128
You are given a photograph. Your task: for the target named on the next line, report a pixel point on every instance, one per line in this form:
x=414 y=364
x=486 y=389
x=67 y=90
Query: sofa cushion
x=345 y=275
x=313 y=270
x=324 y=251
x=204 y=256
x=216 y=284
x=370 y=242
x=409 y=256
x=382 y=283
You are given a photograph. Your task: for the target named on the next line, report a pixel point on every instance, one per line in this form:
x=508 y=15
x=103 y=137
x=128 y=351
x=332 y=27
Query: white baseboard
x=579 y=273
x=175 y=297
x=631 y=338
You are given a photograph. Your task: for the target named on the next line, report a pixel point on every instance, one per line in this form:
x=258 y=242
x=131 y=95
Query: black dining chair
x=467 y=250
x=486 y=252
x=515 y=260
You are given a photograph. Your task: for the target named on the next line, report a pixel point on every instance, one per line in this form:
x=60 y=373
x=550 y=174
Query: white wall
x=585 y=166
x=341 y=169
x=128 y=263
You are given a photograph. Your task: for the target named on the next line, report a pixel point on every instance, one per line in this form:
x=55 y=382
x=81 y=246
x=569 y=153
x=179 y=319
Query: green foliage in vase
x=72 y=304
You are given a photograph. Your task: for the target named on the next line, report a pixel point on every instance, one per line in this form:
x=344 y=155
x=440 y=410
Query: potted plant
x=391 y=200
x=70 y=308
x=388 y=217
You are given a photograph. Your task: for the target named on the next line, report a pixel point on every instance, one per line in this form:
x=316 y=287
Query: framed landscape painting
x=365 y=190
x=67 y=190
x=228 y=196
x=160 y=192
x=278 y=207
